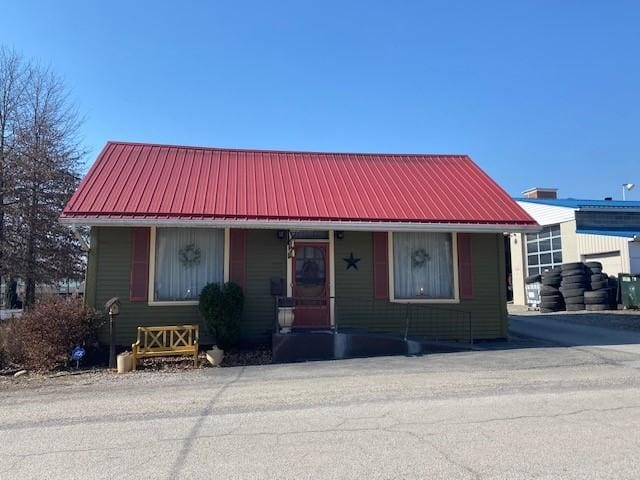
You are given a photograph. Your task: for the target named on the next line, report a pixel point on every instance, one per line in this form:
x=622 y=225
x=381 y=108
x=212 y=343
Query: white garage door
x=611 y=261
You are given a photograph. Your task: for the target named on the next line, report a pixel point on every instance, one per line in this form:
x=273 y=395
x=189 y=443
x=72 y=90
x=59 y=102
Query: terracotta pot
x=215 y=356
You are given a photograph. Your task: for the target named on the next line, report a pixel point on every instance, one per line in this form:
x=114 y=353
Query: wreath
x=189 y=255
x=420 y=257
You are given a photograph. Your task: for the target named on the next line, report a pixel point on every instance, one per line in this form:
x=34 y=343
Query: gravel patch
x=150 y=370
x=242 y=358
x=260 y=355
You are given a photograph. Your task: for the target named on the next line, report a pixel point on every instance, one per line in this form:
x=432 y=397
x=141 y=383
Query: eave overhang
x=303 y=224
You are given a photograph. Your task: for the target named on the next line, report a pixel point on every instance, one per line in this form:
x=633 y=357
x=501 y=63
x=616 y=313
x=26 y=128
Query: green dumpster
x=629 y=290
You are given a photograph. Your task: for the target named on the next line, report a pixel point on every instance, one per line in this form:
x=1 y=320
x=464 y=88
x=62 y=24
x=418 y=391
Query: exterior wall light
x=339 y=234
x=281 y=234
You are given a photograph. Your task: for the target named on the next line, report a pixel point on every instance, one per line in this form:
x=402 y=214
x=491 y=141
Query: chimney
x=538 y=192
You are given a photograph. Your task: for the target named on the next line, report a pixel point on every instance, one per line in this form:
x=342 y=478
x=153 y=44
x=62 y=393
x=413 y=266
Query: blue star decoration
x=351 y=261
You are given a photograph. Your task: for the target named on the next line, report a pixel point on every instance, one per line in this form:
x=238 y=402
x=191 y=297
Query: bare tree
x=13 y=80
x=45 y=155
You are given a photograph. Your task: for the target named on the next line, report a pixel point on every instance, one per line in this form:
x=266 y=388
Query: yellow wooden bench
x=166 y=341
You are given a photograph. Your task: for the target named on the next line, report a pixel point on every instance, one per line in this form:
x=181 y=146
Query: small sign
x=78 y=354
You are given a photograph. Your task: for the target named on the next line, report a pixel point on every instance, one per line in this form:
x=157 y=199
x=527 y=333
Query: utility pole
x=627 y=187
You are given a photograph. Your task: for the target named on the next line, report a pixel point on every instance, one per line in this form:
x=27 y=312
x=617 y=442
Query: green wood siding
x=482 y=317
x=266 y=258
x=113 y=246
x=108 y=276
x=91 y=276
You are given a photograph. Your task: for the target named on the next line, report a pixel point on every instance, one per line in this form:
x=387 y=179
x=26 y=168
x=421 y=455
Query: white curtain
x=186 y=260
x=422 y=265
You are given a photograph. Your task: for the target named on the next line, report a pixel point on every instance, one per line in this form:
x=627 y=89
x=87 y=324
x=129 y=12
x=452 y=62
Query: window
x=544 y=250
x=423 y=266
x=186 y=259
x=310 y=266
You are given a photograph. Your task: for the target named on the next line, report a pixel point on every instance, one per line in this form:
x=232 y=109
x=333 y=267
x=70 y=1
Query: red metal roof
x=134 y=181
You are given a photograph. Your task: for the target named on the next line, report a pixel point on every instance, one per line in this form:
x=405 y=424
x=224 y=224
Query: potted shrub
x=221 y=310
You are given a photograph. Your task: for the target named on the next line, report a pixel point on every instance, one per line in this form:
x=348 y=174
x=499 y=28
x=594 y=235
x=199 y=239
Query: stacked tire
x=533 y=279
x=575 y=282
x=600 y=296
x=551 y=299
x=613 y=292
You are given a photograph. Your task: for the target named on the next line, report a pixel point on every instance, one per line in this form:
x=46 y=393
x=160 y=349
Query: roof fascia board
x=627 y=235
x=304 y=225
x=609 y=209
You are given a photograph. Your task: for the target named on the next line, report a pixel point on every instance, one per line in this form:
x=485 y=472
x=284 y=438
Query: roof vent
x=539 y=192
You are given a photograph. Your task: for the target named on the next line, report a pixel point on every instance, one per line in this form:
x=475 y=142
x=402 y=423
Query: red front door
x=311 y=285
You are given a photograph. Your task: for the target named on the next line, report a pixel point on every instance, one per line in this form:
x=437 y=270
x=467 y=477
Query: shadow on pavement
x=532 y=330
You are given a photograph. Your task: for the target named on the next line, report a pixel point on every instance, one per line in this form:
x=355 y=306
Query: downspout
x=85 y=247
x=83 y=243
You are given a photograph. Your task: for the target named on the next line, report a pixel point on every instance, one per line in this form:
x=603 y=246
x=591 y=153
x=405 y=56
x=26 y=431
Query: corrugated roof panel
x=548 y=214
x=134 y=180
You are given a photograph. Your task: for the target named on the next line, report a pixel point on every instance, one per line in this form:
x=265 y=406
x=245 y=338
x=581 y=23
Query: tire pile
x=551 y=299
x=576 y=286
x=602 y=295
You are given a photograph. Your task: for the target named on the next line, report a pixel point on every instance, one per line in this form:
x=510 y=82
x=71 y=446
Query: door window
x=310 y=266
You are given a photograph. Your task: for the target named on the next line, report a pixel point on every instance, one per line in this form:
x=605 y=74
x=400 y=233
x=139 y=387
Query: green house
x=390 y=243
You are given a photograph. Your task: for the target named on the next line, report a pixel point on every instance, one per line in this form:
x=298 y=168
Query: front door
x=311 y=285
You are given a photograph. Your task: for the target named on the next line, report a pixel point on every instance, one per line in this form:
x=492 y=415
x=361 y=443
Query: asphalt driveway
x=536 y=411
x=578 y=329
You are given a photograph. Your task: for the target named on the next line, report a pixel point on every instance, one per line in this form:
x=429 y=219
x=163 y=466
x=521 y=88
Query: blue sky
x=539 y=93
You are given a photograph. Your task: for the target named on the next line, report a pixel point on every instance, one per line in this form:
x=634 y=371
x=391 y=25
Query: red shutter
x=465 y=265
x=380 y=265
x=237 y=256
x=139 y=281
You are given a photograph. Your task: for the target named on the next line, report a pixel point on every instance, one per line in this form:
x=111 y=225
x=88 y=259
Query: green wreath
x=420 y=257
x=189 y=255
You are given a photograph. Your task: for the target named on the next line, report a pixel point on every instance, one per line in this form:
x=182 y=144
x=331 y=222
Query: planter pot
x=124 y=362
x=285 y=319
x=215 y=356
